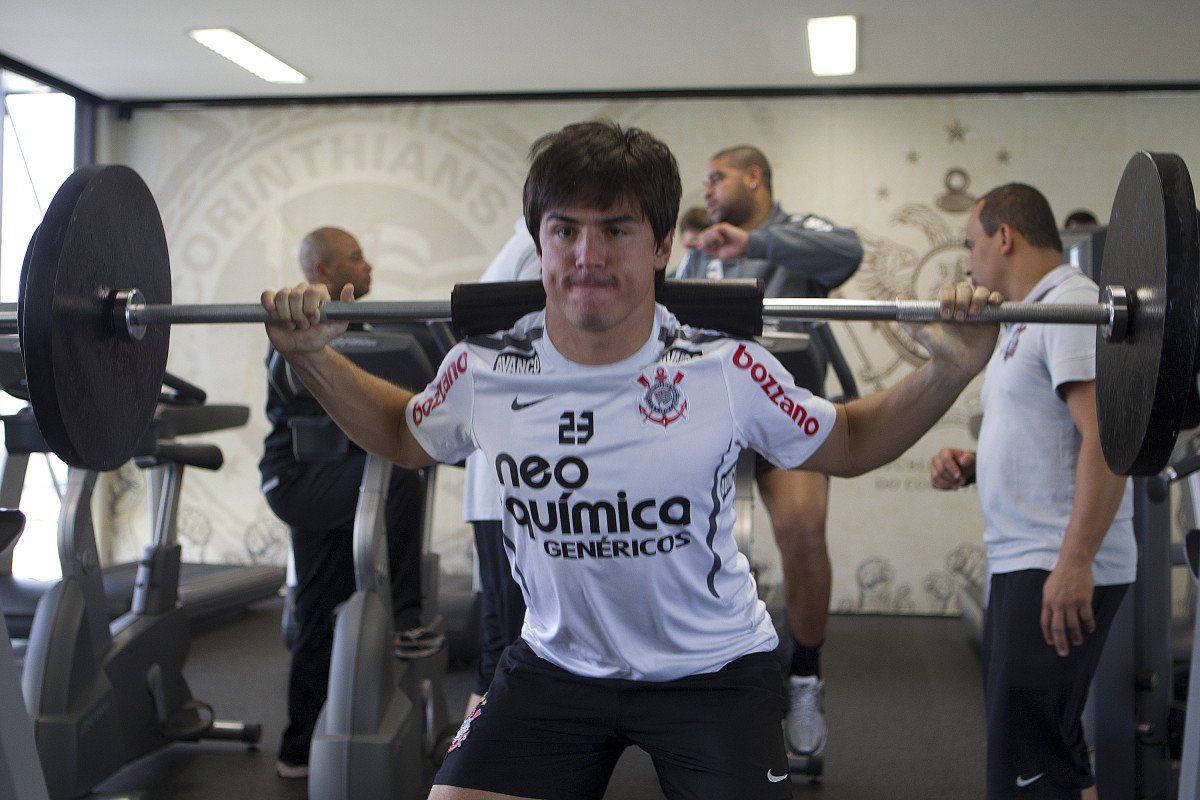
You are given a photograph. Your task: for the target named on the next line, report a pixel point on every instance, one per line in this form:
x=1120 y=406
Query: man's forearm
x=1098 y=492
x=1098 y=495
x=827 y=257
x=881 y=427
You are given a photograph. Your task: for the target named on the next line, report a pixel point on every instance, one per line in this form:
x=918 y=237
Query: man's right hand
x=966 y=346
x=297 y=313
x=723 y=241
x=952 y=468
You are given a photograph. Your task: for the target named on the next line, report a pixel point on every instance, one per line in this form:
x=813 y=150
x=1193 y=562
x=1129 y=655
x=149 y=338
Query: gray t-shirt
x=1029 y=446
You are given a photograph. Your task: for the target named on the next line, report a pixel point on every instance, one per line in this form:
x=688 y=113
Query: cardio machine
x=103 y=695
x=384 y=718
x=20 y=774
x=1154 y=744
x=206 y=591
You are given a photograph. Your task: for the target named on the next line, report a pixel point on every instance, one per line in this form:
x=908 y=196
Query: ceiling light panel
x=833 y=45
x=247 y=55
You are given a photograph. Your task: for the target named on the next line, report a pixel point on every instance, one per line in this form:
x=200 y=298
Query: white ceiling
x=138 y=50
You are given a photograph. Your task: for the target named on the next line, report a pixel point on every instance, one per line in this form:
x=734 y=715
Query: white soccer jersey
x=618 y=486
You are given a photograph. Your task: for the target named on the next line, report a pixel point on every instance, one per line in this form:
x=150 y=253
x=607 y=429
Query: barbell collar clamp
x=1117 y=301
x=120 y=304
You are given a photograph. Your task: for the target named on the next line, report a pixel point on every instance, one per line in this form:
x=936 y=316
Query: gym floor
x=903 y=698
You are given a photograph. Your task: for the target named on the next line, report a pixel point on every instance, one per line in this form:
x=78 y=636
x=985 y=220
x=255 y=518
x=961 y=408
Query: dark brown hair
x=598 y=164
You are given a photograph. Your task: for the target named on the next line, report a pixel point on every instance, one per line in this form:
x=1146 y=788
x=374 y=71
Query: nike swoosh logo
x=773 y=778
x=1023 y=782
x=517 y=405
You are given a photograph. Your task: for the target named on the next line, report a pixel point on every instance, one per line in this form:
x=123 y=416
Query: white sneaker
x=805 y=728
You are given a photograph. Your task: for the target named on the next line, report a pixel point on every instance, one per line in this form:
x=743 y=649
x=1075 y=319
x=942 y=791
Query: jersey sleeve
x=1071 y=349
x=440 y=417
x=781 y=421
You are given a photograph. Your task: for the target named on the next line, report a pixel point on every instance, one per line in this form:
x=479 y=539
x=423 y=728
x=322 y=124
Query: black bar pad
x=730 y=306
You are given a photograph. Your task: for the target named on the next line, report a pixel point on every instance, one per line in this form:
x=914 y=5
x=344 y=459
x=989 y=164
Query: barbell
x=94 y=313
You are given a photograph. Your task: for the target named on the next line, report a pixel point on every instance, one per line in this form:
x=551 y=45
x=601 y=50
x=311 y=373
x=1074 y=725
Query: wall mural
x=892 y=270
x=433 y=191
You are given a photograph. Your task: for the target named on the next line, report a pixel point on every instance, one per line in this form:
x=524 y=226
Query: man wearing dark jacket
x=317 y=501
x=796 y=255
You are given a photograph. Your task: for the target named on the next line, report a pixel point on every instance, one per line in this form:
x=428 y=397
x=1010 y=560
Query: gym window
x=37 y=153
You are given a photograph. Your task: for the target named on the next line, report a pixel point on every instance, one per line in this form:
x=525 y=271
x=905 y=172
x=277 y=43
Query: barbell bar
x=95 y=308
x=130 y=315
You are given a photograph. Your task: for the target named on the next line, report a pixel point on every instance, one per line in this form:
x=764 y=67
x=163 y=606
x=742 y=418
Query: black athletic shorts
x=544 y=732
x=1034 y=697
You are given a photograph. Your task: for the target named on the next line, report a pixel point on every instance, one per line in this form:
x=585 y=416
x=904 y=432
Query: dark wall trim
x=126 y=108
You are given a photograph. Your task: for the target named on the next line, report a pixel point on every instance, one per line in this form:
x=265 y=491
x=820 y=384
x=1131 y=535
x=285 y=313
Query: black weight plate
x=1143 y=382
x=94 y=393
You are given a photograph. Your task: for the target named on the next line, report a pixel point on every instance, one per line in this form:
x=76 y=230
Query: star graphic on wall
x=957 y=132
x=1003 y=157
x=912 y=156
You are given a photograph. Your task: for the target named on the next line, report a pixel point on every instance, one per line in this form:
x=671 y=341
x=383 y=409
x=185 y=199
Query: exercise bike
x=385 y=718
x=206 y=591
x=21 y=776
x=103 y=695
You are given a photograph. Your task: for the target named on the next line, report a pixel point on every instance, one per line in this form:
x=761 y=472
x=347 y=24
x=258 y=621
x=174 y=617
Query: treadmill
x=207 y=592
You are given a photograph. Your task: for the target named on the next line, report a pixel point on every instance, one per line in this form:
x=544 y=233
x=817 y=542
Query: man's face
x=346 y=264
x=983 y=252
x=689 y=238
x=598 y=265
x=727 y=193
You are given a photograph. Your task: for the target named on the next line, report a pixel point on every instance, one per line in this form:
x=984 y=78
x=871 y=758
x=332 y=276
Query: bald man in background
x=317 y=500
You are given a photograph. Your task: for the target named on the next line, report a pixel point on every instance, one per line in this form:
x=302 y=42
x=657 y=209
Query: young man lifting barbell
x=614 y=432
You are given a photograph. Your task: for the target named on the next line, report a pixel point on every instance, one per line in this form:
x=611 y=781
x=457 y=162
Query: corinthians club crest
x=663 y=400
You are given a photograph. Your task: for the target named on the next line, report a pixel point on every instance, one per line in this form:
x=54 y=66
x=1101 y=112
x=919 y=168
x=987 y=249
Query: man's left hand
x=1067 y=607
